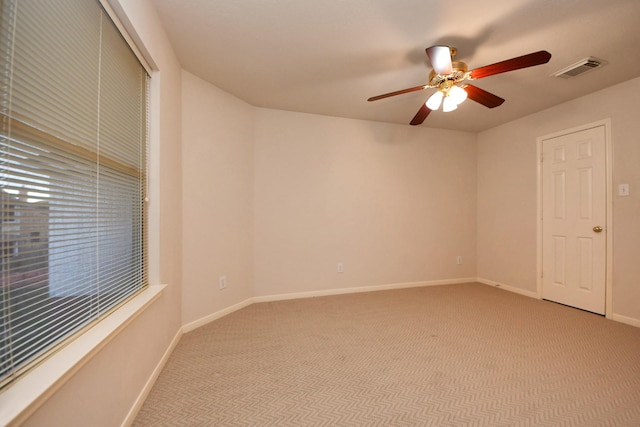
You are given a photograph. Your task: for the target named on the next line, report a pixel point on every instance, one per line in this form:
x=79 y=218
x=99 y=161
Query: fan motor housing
x=458 y=74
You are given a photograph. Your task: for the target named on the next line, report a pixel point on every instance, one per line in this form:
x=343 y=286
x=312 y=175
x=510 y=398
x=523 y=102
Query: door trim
x=606 y=123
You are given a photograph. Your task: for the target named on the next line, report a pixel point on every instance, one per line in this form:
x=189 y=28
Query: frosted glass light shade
x=433 y=103
x=457 y=94
x=449 y=104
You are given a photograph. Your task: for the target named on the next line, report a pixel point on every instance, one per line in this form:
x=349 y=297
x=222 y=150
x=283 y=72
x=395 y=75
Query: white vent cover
x=580 y=67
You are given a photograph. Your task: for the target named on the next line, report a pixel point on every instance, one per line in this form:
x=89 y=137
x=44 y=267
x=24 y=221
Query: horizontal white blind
x=72 y=174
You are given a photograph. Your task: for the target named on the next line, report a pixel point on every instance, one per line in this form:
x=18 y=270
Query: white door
x=574 y=219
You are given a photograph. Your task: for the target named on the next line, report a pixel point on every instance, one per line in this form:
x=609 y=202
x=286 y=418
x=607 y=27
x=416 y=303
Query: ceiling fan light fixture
x=447 y=77
x=448 y=104
x=433 y=103
x=457 y=94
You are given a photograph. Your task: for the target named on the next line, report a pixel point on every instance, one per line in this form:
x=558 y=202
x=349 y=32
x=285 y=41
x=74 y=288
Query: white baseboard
x=513 y=289
x=218 y=314
x=624 y=319
x=133 y=412
x=297 y=295
x=615 y=317
x=342 y=291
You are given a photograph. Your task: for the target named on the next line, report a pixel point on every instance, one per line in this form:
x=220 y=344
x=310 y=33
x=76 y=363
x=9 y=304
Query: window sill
x=23 y=397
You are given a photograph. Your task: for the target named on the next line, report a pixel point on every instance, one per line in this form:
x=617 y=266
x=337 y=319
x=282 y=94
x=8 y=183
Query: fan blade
x=524 y=61
x=398 y=92
x=482 y=96
x=422 y=114
x=440 y=58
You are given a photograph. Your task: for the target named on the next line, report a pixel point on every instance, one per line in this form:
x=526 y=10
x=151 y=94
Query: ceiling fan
x=448 y=77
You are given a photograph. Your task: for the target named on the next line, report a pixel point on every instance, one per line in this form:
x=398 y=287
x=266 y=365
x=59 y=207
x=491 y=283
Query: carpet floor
x=454 y=355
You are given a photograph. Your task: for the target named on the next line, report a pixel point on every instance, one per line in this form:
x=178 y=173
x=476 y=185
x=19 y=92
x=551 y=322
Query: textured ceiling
x=328 y=57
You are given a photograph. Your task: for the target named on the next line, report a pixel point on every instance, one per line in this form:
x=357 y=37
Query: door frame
x=606 y=123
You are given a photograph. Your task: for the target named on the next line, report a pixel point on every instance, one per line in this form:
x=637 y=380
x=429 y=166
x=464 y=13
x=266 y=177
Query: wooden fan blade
x=482 y=96
x=524 y=61
x=398 y=92
x=440 y=58
x=422 y=114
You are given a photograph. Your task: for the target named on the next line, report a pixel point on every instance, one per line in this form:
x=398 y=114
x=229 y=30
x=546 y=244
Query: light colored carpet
x=455 y=355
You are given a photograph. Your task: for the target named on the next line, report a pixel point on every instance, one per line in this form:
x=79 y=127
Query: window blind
x=72 y=174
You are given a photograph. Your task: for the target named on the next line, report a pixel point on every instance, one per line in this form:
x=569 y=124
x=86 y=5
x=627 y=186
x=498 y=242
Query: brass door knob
x=597 y=229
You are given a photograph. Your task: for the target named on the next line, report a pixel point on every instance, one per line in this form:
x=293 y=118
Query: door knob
x=597 y=229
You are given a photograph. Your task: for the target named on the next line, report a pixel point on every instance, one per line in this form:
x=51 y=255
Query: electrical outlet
x=223 y=282
x=459 y=260
x=623 y=190
x=340 y=267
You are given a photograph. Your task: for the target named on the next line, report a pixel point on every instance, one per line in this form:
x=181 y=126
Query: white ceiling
x=328 y=57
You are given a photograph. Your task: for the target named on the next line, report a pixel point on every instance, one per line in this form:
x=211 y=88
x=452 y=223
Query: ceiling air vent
x=580 y=67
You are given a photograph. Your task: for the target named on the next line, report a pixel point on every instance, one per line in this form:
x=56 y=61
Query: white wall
x=105 y=389
x=217 y=198
x=394 y=203
x=507 y=191
x=274 y=199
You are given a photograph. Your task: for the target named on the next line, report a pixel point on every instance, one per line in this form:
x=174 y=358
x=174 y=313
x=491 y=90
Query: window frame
x=19 y=400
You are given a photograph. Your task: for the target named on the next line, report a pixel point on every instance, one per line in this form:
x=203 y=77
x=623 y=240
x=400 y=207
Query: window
x=73 y=106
